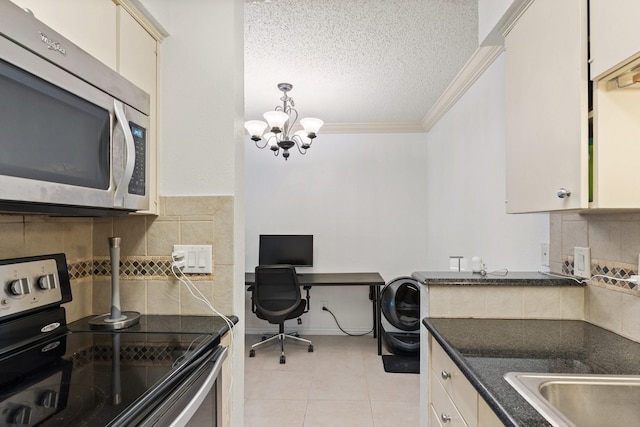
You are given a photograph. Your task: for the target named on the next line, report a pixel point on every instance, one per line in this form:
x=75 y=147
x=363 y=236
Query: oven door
x=64 y=141
x=197 y=400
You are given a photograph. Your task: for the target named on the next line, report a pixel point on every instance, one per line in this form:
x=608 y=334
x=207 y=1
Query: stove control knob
x=20 y=287
x=21 y=416
x=49 y=399
x=47 y=282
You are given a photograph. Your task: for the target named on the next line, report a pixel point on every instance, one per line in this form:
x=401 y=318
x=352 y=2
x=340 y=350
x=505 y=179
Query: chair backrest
x=276 y=292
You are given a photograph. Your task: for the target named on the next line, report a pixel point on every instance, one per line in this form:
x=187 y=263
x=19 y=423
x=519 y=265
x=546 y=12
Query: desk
x=373 y=280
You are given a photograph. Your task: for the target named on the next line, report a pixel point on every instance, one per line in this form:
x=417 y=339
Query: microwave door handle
x=130 y=154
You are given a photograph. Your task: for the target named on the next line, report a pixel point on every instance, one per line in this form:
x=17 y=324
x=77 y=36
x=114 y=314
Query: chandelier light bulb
x=305 y=141
x=276 y=120
x=311 y=126
x=255 y=128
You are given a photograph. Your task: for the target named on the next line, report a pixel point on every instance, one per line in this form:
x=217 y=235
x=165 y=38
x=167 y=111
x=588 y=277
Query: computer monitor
x=296 y=250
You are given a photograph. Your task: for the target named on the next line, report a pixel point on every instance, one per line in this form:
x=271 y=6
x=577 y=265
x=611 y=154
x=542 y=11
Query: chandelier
x=280 y=122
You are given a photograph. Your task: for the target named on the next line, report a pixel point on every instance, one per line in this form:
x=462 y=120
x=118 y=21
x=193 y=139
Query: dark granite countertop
x=486 y=349
x=511 y=278
x=169 y=324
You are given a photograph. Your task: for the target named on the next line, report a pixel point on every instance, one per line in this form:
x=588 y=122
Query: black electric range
x=54 y=374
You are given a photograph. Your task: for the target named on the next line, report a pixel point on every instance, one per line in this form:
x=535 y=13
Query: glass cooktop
x=94 y=378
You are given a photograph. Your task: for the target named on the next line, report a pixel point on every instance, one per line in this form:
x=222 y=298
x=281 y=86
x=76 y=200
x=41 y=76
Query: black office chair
x=275 y=298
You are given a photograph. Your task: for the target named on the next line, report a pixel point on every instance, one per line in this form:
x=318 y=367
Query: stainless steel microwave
x=73 y=132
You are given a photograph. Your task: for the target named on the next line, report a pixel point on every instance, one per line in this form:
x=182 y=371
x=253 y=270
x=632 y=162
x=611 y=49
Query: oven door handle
x=130 y=154
x=185 y=415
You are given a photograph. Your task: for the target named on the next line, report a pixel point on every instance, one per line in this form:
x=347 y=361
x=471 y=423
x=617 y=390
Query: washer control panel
x=28 y=285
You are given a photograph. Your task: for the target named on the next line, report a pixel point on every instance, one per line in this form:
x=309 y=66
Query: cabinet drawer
x=434 y=418
x=443 y=412
x=455 y=383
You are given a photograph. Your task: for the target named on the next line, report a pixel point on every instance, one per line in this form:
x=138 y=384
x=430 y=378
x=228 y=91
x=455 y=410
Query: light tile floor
x=342 y=383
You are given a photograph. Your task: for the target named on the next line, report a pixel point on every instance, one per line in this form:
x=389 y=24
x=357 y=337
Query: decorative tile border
x=80 y=269
x=131 y=268
x=141 y=354
x=613 y=270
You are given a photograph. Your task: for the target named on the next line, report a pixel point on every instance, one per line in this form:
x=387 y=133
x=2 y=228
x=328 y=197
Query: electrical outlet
x=582 y=262
x=324 y=304
x=197 y=258
x=544 y=254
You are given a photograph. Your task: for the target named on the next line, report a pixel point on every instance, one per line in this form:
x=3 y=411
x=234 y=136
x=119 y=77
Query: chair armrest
x=306 y=288
x=253 y=306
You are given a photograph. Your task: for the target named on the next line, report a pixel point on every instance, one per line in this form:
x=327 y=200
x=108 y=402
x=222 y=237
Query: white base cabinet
x=453 y=401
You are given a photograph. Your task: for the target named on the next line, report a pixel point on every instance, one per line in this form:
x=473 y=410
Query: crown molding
x=137 y=10
x=490 y=48
x=509 y=19
x=481 y=59
x=389 y=127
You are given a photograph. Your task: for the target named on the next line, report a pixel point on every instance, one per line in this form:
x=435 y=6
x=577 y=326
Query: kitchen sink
x=581 y=400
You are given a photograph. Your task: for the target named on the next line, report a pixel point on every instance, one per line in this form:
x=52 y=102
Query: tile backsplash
x=147 y=284
x=614 y=240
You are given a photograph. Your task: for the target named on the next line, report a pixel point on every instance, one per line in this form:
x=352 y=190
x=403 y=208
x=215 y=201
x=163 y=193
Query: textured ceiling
x=356 y=61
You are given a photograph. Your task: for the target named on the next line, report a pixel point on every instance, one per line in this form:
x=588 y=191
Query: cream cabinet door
x=615 y=34
x=546 y=108
x=89 y=24
x=486 y=416
x=137 y=61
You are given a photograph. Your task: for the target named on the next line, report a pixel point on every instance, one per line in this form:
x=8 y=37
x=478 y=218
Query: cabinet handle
x=445 y=375
x=445 y=418
x=563 y=192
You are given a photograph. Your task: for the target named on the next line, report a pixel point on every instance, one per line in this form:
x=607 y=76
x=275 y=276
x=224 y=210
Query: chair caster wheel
x=283 y=360
x=252 y=353
x=310 y=349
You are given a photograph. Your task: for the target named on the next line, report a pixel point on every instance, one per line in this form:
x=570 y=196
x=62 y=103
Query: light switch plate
x=454 y=263
x=582 y=262
x=197 y=258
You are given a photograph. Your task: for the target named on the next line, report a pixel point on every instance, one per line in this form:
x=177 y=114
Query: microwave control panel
x=137 y=185
x=29 y=285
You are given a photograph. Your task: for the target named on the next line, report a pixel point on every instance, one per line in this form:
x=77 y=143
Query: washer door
x=400 y=303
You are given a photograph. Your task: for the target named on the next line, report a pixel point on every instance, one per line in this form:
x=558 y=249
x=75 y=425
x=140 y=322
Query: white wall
x=361 y=196
x=199 y=97
x=201 y=144
x=466 y=186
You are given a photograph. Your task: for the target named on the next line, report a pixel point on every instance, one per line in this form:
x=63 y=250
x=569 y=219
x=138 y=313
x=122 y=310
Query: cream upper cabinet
x=546 y=108
x=89 y=24
x=137 y=61
x=550 y=131
x=615 y=34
